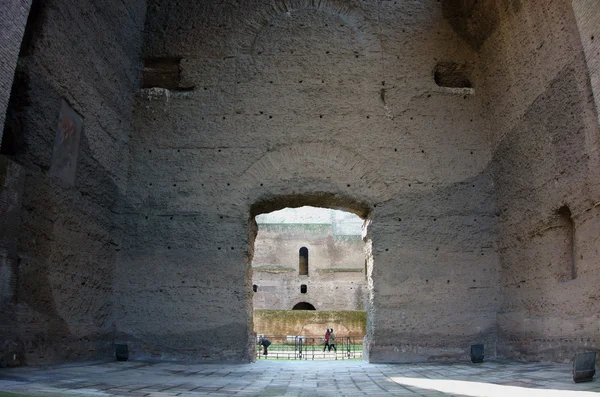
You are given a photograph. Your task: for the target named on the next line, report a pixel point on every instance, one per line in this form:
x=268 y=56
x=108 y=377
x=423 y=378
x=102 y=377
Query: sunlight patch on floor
x=481 y=389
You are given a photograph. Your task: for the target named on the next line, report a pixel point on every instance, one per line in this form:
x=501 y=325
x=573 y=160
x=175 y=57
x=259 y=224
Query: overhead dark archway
x=303 y=306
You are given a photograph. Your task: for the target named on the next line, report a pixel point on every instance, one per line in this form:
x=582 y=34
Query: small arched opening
x=303 y=306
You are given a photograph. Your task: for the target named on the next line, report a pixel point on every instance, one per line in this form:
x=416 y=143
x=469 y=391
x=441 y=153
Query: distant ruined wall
x=546 y=176
x=336 y=277
x=86 y=53
x=288 y=102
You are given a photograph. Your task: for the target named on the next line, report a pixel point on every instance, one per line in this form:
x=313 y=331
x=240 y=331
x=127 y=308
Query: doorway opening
x=296 y=301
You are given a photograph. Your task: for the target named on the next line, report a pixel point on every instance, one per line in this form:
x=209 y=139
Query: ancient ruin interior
x=142 y=138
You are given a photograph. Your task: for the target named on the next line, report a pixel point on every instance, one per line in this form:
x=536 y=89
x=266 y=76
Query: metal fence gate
x=292 y=347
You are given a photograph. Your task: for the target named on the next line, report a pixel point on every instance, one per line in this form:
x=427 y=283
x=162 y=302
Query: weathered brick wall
x=545 y=141
x=272 y=104
x=86 y=52
x=332 y=103
x=12 y=178
x=13 y=17
x=587 y=14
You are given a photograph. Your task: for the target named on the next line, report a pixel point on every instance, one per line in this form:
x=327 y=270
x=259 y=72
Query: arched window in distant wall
x=303 y=267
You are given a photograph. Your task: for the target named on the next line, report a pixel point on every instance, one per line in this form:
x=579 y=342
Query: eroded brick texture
x=12 y=178
x=13 y=17
x=546 y=176
x=88 y=53
x=482 y=198
x=587 y=14
x=330 y=102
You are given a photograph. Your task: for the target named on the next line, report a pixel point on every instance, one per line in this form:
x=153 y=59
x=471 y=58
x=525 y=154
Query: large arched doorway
x=283 y=233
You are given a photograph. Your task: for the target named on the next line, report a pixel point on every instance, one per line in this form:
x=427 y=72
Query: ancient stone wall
x=336 y=278
x=87 y=54
x=13 y=17
x=465 y=132
x=546 y=175
x=272 y=104
x=587 y=14
x=12 y=178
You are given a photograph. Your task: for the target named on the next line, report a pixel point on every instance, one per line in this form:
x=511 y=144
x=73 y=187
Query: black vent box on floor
x=584 y=367
x=477 y=353
x=121 y=352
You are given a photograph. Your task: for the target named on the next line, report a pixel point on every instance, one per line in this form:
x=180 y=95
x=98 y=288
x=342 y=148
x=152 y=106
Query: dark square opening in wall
x=452 y=74
x=255 y=288
x=303 y=289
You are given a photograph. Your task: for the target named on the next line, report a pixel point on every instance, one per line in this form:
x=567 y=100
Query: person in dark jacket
x=264 y=342
x=326 y=340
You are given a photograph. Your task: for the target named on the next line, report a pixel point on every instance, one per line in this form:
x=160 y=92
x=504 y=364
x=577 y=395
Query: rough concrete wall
x=587 y=14
x=547 y=178
x=330 y=104
x=474 y=20
x=88 y=53
x=336 y=277
x=13 y=17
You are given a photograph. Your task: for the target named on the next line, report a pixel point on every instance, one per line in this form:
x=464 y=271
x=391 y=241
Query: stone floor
x=297 y=378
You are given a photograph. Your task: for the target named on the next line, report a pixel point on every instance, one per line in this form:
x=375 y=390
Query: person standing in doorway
x=332 y=340
x=327 y=336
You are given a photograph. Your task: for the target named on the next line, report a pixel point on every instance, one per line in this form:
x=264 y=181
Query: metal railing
x=293 y=347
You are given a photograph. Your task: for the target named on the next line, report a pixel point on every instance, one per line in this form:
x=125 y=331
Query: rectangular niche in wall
x=303 y=289
x=567 y=267
x=66 y=144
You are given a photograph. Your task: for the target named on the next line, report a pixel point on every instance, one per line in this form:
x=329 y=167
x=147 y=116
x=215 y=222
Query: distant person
x=332 y=340
x=327 y=336
x=265 y=343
